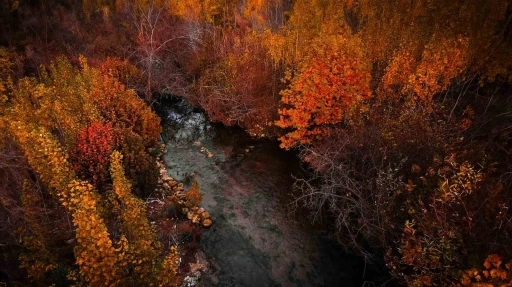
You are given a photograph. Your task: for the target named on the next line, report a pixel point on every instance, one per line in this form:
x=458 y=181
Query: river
x=255 y=240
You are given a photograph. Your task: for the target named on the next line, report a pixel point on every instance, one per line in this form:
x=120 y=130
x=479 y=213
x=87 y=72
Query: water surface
x=255 y=240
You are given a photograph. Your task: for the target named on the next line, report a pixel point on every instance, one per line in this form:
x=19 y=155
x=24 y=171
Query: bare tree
x=160 y=42
x=355 y=197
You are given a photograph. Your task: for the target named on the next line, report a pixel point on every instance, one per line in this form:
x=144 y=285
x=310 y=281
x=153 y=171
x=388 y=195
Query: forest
x=400 y=112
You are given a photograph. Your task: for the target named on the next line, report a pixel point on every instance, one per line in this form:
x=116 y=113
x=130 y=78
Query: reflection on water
x=254 y=240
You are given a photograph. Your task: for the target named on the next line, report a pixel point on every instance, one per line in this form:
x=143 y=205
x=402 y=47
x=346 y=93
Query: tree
x=40 y=121
x=329 y=81
x=154 y=56
x=242 y=86
x=95 y=144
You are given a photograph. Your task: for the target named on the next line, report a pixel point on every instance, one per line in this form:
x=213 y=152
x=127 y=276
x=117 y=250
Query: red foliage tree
x=94 y=146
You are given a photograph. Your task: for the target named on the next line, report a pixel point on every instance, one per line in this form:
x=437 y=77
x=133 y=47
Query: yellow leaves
x=143 y=247
x=65 y=100
x=458 y=180
x=169 y=267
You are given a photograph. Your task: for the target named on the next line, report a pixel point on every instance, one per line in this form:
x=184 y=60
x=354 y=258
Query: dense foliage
x=68 y=128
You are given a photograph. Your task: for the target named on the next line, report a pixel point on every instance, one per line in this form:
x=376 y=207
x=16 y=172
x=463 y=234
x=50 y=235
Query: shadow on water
x=255 y=240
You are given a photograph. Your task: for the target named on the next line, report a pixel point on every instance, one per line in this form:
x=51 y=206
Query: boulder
x=191 y=280
x=207 y=222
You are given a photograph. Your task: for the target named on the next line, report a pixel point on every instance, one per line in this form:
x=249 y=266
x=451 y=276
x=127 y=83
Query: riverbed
x=256 y=238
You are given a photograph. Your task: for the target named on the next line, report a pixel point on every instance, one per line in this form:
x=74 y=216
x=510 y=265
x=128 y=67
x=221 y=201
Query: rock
x=191 y=280
x=207 y=222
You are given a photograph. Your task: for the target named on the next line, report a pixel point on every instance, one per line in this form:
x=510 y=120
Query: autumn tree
x=37 y=117
x=95 y=254
x=329 y=81
x=242 y=86
x=95 y=144
x=142 y=247
x=155 y=37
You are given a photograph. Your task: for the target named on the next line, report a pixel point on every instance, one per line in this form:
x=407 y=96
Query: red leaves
x=94 y=146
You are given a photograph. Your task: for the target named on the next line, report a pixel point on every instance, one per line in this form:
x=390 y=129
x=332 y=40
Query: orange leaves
x=330 y=81
x=187 y=9
x=422 y=59
x=494 y=274
x=120 y=69
x=442 y=61
x=45 y=155
x=193 y=195
x=493 y=260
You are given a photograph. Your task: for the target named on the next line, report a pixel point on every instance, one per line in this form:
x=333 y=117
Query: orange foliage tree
x=329 y=81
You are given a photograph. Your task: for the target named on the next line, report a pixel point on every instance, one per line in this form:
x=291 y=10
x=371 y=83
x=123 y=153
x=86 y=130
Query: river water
x=255 y=240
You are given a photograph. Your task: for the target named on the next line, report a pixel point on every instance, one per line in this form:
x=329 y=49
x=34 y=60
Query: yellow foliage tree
x=95 y=254
x=37 y=260
x=143 y=248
